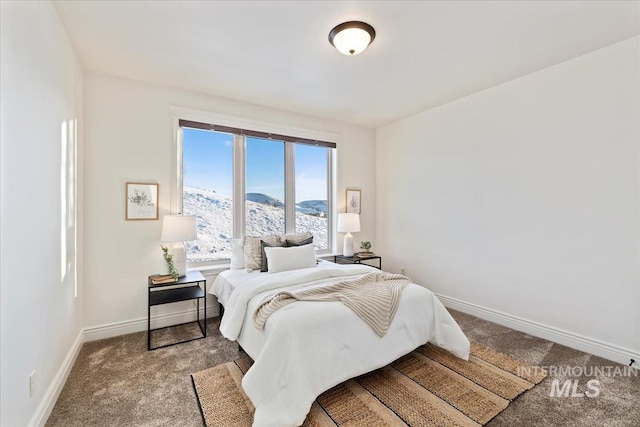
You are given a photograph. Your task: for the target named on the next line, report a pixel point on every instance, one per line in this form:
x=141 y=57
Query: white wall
x=41 y=316
x=128 y=134
x=524 y=198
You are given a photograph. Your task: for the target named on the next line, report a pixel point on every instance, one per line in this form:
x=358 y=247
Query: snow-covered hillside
x=214 y=215
x=313 y=207
x=264 y=199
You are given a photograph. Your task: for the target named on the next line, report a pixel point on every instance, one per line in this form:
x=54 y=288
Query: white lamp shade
x=348 y=223
x=178 y=228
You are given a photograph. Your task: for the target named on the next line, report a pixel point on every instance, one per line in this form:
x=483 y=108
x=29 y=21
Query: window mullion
x=290 y=188
x=239 y=173
x=177 y=182
x=330 y=198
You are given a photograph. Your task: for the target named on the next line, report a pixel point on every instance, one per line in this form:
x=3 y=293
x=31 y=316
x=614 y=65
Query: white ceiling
x=276 y=53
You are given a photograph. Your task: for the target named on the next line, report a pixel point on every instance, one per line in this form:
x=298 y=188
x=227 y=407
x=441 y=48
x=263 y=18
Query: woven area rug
x=427 y=387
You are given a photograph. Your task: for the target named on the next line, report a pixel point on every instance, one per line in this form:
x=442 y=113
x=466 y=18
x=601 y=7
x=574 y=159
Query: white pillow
x=293 y=258
x=237 y=254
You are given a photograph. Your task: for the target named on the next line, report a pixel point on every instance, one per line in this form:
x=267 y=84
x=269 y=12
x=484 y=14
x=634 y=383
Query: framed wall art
x=141 y=201
x=353 y=201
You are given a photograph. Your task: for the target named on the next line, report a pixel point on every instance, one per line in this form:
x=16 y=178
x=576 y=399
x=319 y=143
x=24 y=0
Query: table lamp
x=348 y=223
x=177 y=229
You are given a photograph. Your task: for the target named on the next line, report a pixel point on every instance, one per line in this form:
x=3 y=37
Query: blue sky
x=208 y=158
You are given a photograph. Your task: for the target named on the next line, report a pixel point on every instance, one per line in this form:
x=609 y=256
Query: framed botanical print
x=141 y=201
x=353 y=201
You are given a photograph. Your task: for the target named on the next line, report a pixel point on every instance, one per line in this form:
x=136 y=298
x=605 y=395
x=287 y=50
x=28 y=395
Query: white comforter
x=308 y=347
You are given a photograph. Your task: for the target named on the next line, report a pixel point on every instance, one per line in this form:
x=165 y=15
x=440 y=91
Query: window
x=207 y=189
x=312 y=192
x=240 y=182
x=264 y=187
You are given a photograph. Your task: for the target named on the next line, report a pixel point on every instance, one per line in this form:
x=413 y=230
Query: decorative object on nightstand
x=364 y=255
x=161 y=279
x=173 y=272
x=348 y=223
x=365 y=249
x=177 y=229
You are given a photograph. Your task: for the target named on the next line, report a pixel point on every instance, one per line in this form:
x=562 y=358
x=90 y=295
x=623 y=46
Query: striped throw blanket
x=374 y=298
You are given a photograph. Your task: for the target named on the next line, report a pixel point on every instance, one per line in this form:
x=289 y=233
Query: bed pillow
x=253 y=251
x=300 y=243
x=291 y=258
x=237 y=254
x=263 y=244
x=295 y=238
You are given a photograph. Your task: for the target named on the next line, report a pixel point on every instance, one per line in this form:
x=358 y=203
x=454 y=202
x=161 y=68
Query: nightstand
x=185 y=289
x=341 y=259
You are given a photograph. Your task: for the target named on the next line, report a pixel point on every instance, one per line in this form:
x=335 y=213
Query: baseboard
x=51 y=395
x=138 y=325
x=560 y=336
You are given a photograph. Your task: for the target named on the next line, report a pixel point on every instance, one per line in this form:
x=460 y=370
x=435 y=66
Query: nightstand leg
x=148 y=321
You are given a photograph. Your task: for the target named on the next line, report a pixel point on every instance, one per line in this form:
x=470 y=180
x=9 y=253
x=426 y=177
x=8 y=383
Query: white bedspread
x=308 y=347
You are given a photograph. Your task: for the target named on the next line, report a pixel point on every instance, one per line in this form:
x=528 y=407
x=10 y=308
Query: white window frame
x=239 y=170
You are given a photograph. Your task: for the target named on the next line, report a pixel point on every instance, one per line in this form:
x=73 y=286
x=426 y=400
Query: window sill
x=210 y=269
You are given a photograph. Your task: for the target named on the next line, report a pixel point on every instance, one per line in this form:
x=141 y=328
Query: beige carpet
x=427 y=387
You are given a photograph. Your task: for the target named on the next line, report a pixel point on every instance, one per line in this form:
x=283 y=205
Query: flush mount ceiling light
x=351 y=38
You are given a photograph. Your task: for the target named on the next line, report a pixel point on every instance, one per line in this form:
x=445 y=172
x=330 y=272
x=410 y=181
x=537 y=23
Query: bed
x=308 y=347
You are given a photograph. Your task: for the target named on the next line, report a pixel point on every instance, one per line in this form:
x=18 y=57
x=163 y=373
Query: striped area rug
x=427 y=387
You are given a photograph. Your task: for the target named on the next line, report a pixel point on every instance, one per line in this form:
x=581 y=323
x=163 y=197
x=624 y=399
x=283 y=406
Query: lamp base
x=347 y=250
x=179 y=258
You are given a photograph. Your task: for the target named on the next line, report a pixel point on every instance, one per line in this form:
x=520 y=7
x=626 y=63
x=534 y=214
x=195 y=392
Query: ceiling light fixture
x=351 y=38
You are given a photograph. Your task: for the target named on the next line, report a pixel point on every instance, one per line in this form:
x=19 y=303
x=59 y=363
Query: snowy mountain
x=313 y=207
x=265 y=216
x=264 y=199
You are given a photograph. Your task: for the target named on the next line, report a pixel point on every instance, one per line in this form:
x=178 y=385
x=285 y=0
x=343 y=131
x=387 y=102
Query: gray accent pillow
x=297 y=238
x=289 y=243
x=263 y=244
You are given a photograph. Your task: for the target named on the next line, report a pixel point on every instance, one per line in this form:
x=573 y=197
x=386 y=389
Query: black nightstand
x=340 y=259
x=185 y=289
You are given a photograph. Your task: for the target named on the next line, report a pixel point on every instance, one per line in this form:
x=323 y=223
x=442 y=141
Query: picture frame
x=141 y=201
x=353 y=201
